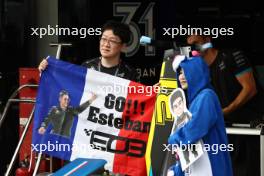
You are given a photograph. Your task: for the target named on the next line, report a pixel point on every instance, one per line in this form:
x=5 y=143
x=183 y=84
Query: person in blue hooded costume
x=206 y=124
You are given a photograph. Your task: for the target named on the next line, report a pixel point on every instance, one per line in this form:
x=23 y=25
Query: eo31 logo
x=127 y=10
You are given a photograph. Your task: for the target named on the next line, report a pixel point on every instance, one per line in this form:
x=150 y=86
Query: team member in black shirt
x=233 y=80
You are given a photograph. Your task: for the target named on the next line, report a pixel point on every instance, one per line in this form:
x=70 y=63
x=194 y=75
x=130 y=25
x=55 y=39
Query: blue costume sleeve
x=204 y=114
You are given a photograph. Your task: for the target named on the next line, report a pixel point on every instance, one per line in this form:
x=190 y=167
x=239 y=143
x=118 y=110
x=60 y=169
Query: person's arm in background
x=249 y=89
x=244 y=74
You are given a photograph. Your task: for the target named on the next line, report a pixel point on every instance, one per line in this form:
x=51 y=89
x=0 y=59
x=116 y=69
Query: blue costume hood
x=197 y=75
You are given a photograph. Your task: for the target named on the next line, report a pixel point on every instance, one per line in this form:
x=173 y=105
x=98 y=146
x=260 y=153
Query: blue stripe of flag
x=58 y=76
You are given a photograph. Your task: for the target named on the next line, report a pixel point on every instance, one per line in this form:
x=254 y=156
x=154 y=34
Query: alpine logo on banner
x=82 y=113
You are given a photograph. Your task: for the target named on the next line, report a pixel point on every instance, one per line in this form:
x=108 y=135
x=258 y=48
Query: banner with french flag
x=114 y=126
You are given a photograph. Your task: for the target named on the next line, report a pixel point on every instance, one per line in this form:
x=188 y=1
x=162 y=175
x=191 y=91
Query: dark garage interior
x=20 y=49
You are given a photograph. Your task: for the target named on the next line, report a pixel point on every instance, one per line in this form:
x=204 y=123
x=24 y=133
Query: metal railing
x=11 y=100
x=255 y=132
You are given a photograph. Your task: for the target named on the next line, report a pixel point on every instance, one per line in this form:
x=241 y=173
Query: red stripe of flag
x=138 y=108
